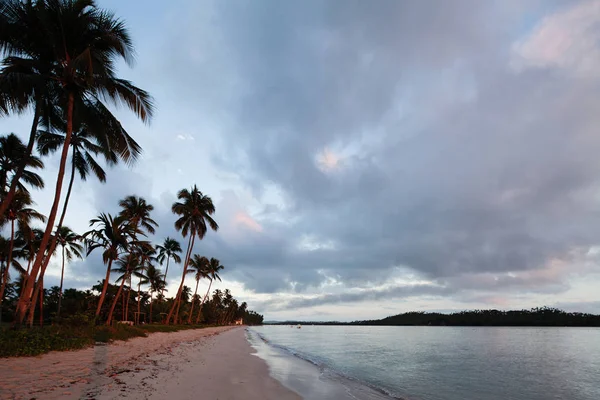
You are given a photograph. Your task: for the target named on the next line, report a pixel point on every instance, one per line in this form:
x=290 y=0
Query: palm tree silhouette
x=78 y=70
x=112 y=235
x=156 y=279
x=198 y=266
x=214 y=266
x=12 y=154
x=71 y=247
x=19 y=212
x=169 y=249
x=194 y=210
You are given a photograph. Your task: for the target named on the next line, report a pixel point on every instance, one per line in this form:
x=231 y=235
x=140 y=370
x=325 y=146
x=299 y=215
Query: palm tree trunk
x=139 y=302
x=23 y=164
x=151 y=306
x=185 y=264
x=162 y=293
x=62 y=275
x=54 y=241
x=202 y=304
x=24 y=301
x=104 y=288
x=128 y=297
x=9 y=260
x=193 y=301
x=41 y=303
x=114 y=303
x=123 y=304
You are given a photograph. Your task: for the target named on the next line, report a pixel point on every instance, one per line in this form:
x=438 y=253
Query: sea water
x=433 y=363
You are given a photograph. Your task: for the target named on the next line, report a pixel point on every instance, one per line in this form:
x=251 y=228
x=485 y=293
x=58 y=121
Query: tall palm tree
x=83 y=45
x=71 y=247
x=194 y=210
x=156 y=279
x=169 y=249
x=213 y=268
x=112 y=235
x=20 y=212
x=12 y=154
x=198 y=266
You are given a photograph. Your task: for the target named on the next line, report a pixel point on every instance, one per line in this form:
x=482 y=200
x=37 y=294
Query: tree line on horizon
x=539 y=316
x=59 y=63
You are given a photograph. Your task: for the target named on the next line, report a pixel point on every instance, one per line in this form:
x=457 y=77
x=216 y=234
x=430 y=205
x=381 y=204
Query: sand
x=211 y=363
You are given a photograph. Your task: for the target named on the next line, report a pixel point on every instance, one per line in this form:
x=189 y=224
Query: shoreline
x=217 y=362
x=310 y=379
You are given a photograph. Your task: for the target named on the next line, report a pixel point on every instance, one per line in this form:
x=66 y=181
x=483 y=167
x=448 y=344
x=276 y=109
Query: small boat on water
x=299 y=326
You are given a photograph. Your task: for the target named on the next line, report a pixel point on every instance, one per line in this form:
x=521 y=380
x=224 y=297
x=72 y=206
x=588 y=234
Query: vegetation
x=59 y=59
x=544 y=316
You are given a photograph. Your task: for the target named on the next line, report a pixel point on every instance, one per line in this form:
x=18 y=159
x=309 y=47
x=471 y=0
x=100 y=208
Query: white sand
x=211 y=363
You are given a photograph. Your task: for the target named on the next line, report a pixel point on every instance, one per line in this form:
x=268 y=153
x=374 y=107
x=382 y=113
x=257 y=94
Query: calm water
x=434 y=363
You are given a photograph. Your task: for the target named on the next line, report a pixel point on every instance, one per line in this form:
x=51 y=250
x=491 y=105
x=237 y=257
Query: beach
x=210 y=363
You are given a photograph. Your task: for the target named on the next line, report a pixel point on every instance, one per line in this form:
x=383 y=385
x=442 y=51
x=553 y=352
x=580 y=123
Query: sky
x=367 y=158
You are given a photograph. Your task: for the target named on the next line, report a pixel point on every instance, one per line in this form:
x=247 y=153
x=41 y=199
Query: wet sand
x=211 y=363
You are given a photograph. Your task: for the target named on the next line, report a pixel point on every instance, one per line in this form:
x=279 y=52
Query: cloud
x=567 y=40
x=342 y=143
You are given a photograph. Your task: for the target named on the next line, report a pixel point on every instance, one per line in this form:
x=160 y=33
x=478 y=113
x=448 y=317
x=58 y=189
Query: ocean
x=432 y=363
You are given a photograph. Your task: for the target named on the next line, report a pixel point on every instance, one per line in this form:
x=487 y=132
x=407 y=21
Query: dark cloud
x=344 y=141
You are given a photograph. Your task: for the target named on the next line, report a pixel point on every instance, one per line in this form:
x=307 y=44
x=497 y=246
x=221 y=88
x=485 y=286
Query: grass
x=36 y=341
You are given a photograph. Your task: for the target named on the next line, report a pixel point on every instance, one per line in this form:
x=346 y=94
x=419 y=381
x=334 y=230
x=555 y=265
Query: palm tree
x=31 y=239
x=195 y=210
x=23 y=77
x=71 y=247
x=113 y=236
x=107 y=133
x=145 y=252
x=20 y=212
x=136 y=211
x=156 y=279
x=169 y=249
x=199 y=266
x=6 y=246
x=83 y=44
x=126 y=266
x=214 y=266
x=12 y=154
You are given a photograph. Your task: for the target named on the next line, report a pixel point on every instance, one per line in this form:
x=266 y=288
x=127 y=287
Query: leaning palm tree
x=112 y=235
x=199 y=266
x=156 y=279
x=214 y=266
x=169 y=249
x=71 y=247
x=20 y=212
x=194 y=210
x=82 y=45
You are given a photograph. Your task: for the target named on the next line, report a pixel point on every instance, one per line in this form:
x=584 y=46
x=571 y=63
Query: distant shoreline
x=537 y=317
